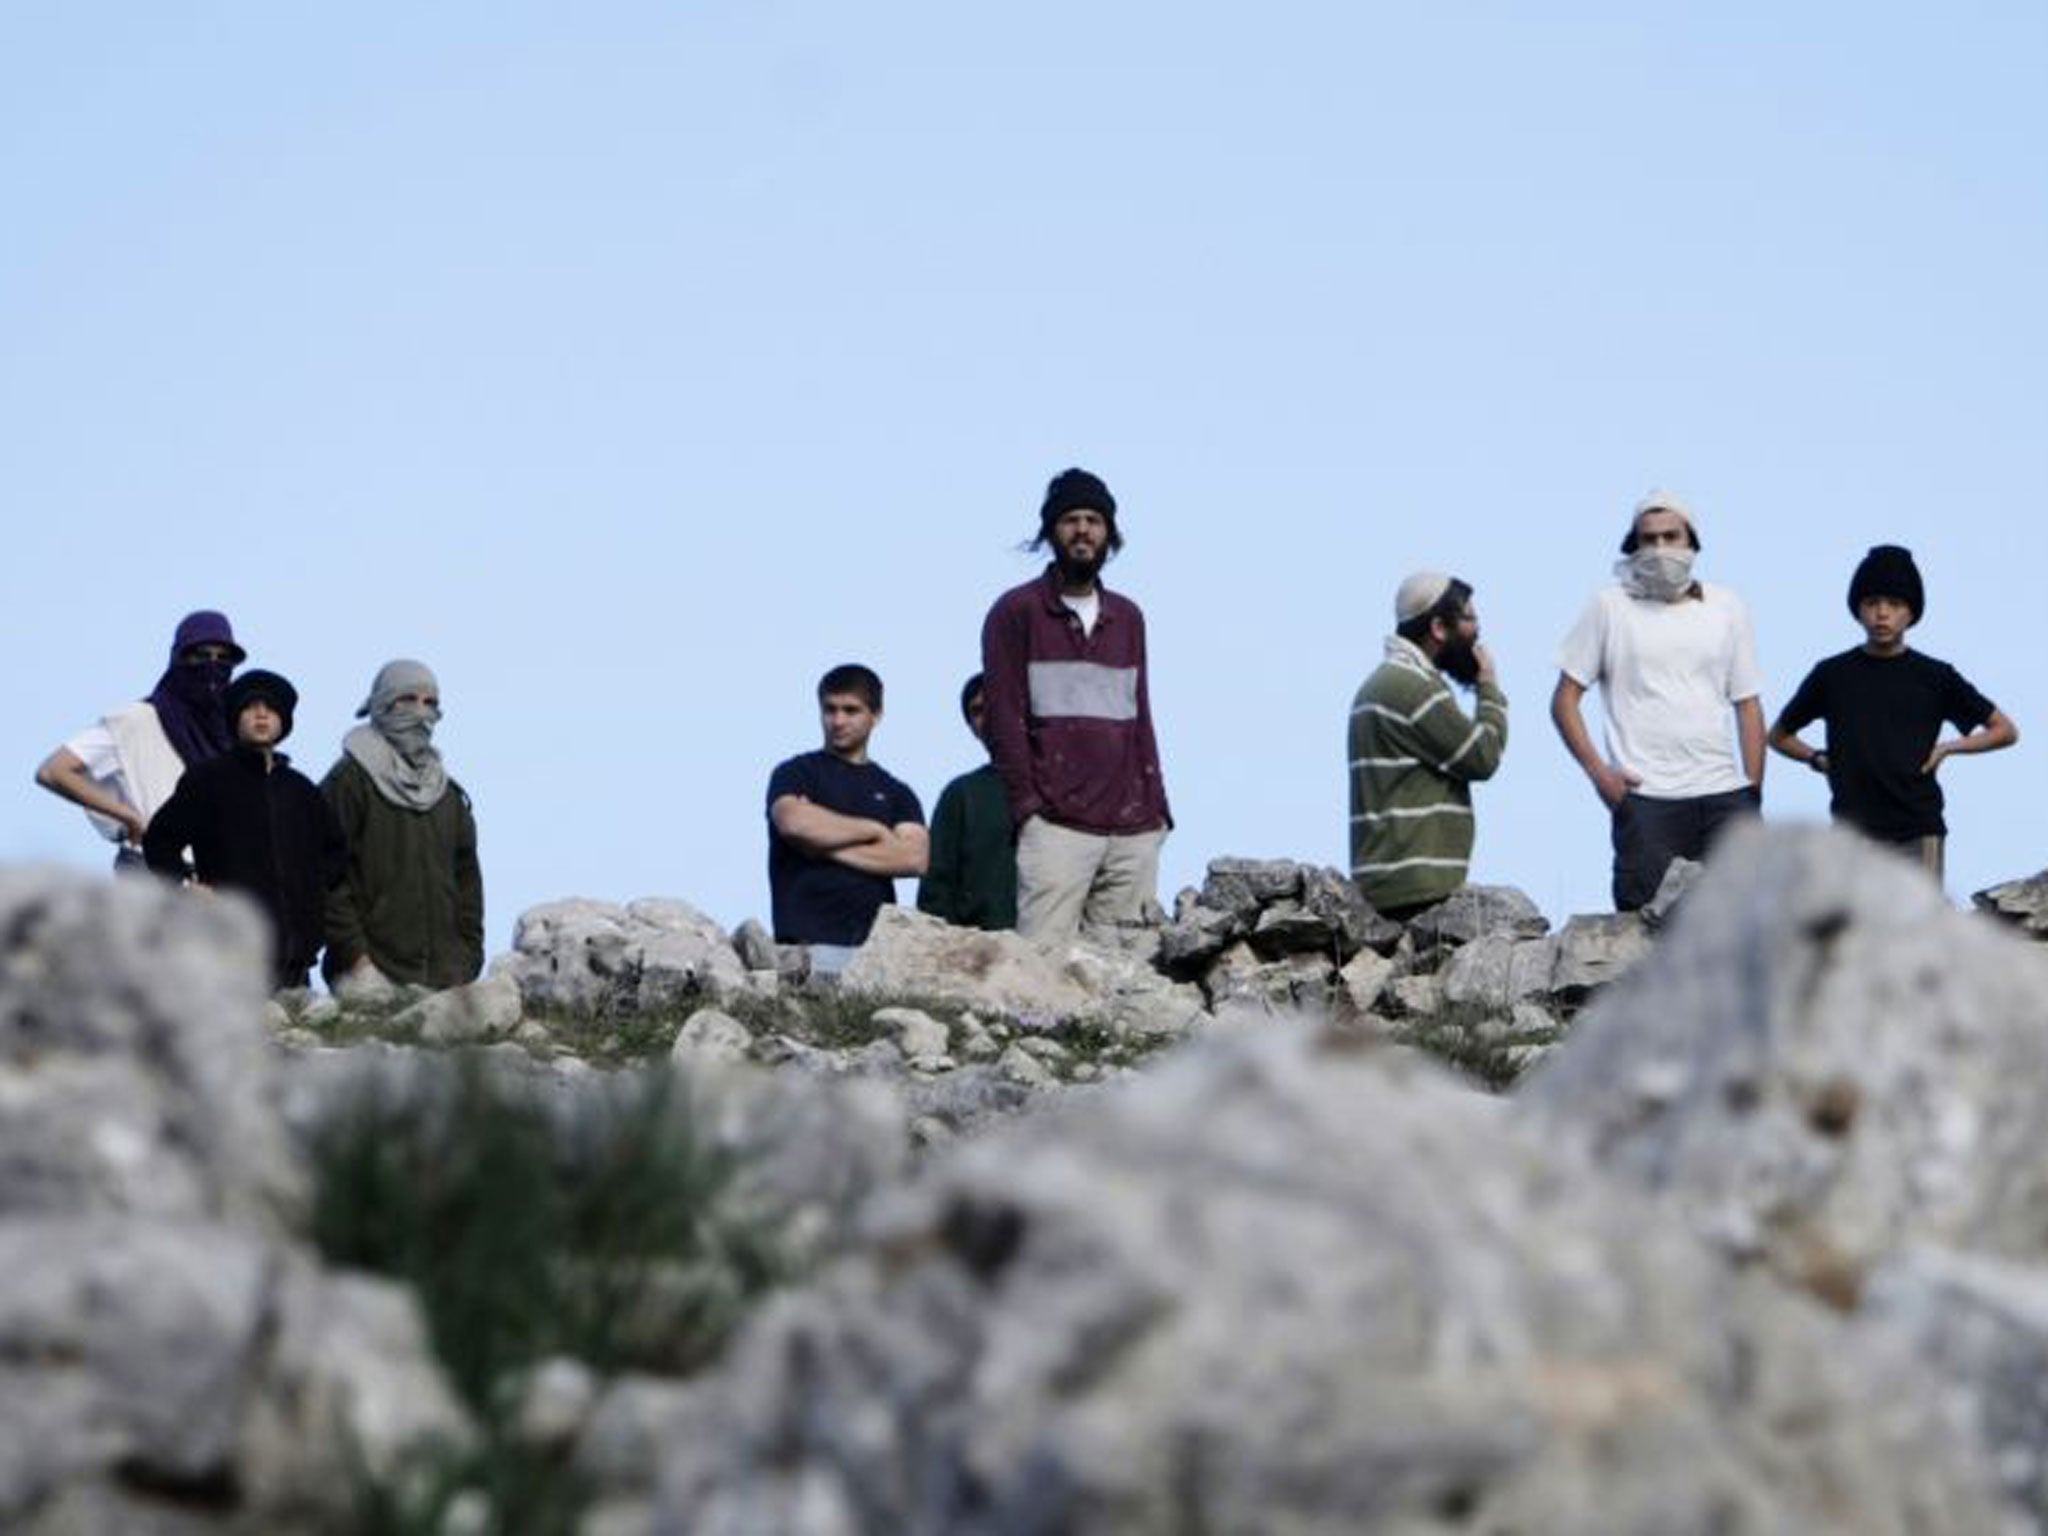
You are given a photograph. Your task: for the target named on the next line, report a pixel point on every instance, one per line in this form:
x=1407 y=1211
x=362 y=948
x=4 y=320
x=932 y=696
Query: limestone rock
x=806 y=1151
x=1488 y=976
x=1240 y=979
x=1413 y=997
x=1474 y=910
x=597 y=958
x=1361 y=981
x=1593 y=952
x=1230 y=1295
x=2023 y=903
x=351 y=1389
x=365 y=988
x=755 y=947
x=465 y=1015
x=631 y=1427
x=918 y=1035
x=134 y=1064
x=1288 y=928
x=1822 y=1063
x=1980 y=1326
x=711 y=1037
x=1680 y=876
x=910 y=954
x=555 y=1404
x=1024 y=1068
x=1196 y=937
x=157 y=1315
x=1244 y=885
x=129 y=1341
x=1334 y=897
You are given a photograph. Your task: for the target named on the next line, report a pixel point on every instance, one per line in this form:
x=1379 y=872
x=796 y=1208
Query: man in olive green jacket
x=412 y=907
x=971 y=879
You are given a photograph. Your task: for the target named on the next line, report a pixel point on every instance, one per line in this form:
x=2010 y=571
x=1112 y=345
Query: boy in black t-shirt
x=1884 y=705
x=840 y=828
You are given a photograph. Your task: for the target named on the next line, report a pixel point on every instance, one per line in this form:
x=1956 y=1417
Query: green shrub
x=605 y=1235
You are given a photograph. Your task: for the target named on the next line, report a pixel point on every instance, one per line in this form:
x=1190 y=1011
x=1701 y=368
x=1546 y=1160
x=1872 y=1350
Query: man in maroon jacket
x=1070 y=725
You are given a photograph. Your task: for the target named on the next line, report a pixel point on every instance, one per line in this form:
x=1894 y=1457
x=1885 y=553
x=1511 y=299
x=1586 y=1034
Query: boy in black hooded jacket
x=257 y=825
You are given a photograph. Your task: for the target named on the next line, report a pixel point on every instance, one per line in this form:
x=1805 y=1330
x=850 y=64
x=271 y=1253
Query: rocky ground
x=1271 y=1215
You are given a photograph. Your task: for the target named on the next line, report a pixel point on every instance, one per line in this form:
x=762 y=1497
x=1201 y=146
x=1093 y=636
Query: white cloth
x=128 y=755
x=1670 y=675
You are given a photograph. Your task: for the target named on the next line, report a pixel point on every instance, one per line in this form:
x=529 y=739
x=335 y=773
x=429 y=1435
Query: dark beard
x=1459 y=661
x=1079 y=573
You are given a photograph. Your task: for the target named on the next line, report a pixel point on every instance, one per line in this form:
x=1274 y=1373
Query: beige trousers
x=1930 y=852
x=1066 y=878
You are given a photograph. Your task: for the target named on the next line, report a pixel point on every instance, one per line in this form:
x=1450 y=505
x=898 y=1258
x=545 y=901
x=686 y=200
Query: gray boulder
x=1821 y=1063
x=1284 y=1285
x=2022 y=903
x=1487 y=977
x=128 y=1342
x=1334 y=897
x=1197 y=935
x=467 y=1015
x=1241 y=978
x=709 y=1038
x=912 y=955
x=1243 y=886
x=134 y=1067
x=599 y=959
x=1593 y=952
x=350 y=1391
x=1476 y=910
x=1680 y=876
x=164 y=1342
x=1980 y=1327
x=756 y=949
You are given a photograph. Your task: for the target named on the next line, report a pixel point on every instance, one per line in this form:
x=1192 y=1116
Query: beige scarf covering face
x=396 y=748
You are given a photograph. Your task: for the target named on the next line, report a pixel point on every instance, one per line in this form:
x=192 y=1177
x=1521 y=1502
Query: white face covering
x=1662 y=575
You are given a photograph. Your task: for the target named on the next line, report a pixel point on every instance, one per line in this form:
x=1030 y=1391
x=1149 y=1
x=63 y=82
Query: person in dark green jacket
x=412 y=907
x=972 y=879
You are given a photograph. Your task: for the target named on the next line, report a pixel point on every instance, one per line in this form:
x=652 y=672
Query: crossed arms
x=858 y=842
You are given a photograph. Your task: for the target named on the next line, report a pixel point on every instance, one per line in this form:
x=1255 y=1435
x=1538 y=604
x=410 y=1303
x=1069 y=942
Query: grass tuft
x=604 y=1236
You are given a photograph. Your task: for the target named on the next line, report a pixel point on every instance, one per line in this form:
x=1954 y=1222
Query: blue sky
x=632 y=363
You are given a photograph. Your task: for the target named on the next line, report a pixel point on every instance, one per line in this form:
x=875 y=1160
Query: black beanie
x=267 y=686
x=1888 y=571
x=1074 y=490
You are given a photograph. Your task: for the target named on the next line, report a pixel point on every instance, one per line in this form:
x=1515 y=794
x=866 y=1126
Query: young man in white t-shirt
x=123 y=767
x=1672 y=656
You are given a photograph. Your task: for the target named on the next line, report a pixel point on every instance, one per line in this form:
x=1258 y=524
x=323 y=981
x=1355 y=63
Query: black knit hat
x=270 y=688
x=1888 y=571
x=1075 y=490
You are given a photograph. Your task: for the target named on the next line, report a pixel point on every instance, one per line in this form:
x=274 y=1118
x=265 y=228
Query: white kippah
x=1665 y=501
x=1418 y=594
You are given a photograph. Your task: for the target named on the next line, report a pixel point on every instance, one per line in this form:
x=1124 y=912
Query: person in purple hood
x=122 y=768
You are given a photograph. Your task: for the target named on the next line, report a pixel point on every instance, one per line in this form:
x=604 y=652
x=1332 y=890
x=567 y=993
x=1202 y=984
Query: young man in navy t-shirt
x=840 y=827
x=1884 y=705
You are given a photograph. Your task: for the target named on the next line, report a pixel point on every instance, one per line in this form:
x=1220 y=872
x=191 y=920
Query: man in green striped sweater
x=1415 y=755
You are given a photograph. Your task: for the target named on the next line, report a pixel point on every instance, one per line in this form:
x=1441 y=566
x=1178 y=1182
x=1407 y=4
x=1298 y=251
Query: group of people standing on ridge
x=376 y=866
x=1674 y=657
x=1065 y=824
x=1062 y=828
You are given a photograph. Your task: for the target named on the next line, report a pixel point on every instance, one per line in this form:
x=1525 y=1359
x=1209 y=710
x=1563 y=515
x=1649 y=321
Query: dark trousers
x=1649 y=834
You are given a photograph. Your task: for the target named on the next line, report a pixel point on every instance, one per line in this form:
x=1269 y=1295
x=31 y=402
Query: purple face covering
x=188 y=696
